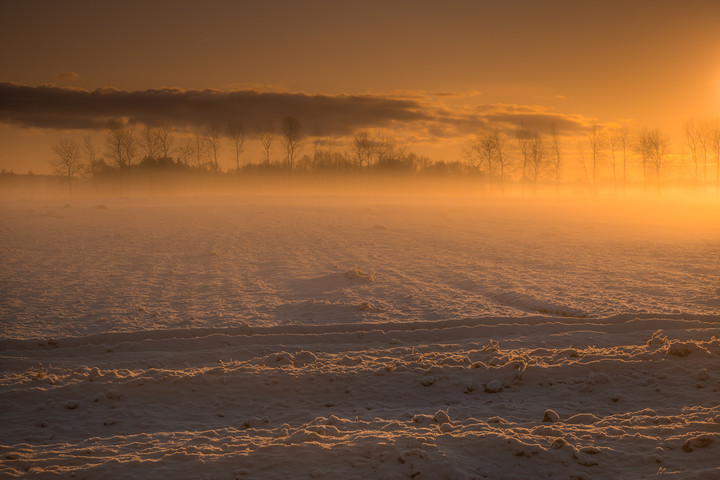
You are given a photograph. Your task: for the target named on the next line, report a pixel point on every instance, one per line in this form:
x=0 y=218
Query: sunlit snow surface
x=295 y=338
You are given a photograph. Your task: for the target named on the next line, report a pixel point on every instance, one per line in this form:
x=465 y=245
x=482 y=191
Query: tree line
x=532 y=156
x=522 y=156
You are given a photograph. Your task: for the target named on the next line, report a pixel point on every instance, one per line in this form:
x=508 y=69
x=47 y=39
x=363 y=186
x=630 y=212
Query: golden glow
x=596 y=66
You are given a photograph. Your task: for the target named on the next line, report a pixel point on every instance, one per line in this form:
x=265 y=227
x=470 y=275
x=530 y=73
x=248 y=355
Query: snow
x=251 y=337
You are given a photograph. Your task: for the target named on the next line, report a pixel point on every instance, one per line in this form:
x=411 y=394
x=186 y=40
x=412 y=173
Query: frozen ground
x=285 y=338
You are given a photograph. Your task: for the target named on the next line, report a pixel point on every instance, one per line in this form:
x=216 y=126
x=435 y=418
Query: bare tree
x=237 y=135
x=317 y=143
x=645 y=152
x=538 y=156
x=121 y=144
x=615 y=138
x=480 y=154
x=705 y=144
x=595 y=138
x=524 y=139
x=655 y=145
x=67 y=161
x=501 y=159
x=486 y=154
x=556 y=153
x=386 y=151
x=290 y=128
x=212 y=139
x=623 y=137
x=186 y=151
x=149 y=142
x=362 y=146
x=165 y=140
x=714 y=141
x=199 y=151
x=693 y=132
x=266 y=135
x=94 y=162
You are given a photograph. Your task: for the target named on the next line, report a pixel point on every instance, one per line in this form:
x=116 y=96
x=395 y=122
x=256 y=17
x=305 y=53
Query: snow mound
x=356 y=274
x=684 y=349
x=279 y=359
x=531 y=304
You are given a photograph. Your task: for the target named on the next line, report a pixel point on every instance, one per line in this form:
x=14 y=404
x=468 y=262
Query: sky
x=431 y=73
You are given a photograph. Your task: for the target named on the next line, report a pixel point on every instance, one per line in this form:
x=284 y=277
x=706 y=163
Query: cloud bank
x=53 y=107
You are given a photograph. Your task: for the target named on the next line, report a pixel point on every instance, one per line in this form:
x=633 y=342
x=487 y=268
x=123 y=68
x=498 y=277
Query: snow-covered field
x=320 y=337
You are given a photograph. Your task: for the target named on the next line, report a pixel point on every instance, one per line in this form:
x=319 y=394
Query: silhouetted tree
x=149 y=143
x=481 y=154
x=693 y=132
x=538 y=156
x=362 y=146
x=503 y=160
x=556 y=151
x=581 y=157
x=165 y=140
x=237 y=135
x=186 y=151
x=387 y=152
x=486 y=154
x=121 y=144
x=595 y=139
x=706 y=145
x=94 y=162
x=655 y=145
x=212 y=140
x=317 y=143
x=290 y=128
x=714 y=141
x=67 y=161
x=615 y=137
x=622 y=135
x=389 y=155
x=524 y=139
x=266 y=135
x=200 y=150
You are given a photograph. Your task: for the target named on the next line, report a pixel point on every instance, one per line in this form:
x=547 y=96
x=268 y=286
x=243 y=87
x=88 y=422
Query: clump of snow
x=304 y=358
x=279 y=359
x=369 y=306
x=356 y=273
x=582 y=419
x=551 y=416
x=422 y=418
x=493 y=386
x=700 y=441
x=441 y=416
x=113 y=395
x=657 y=339
x=529 y=303
x=683 y=349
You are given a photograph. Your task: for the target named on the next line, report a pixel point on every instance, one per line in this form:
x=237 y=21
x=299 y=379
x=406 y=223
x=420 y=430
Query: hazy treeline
x=605 y=156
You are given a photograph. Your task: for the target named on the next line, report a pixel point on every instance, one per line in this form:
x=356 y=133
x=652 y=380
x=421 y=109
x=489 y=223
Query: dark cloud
x=50 y=106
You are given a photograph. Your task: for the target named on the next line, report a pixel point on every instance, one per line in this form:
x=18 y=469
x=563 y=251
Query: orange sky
x=433 y=71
